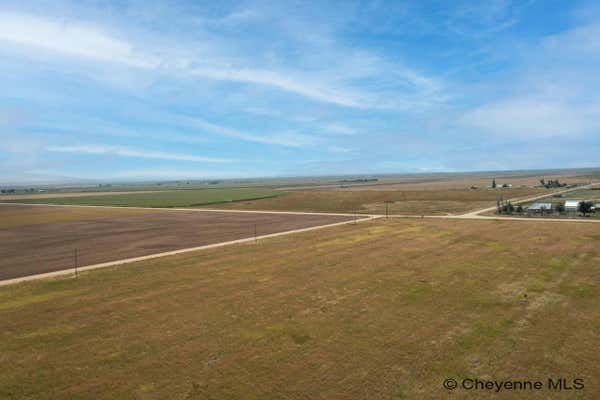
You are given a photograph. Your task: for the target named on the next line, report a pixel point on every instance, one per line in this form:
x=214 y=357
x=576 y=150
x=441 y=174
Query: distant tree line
x=552 y=183
x=10 y=191
x=509 y=208
x=506 y=207
x=360 y=180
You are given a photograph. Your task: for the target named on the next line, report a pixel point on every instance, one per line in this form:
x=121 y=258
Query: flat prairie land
x=583 y=194
x=453 y=181
x=385 y=309
x=36 y=196
x=38 y=239
x=592 y=195
x=412 y=202
x=462 y=182
x=163 y=198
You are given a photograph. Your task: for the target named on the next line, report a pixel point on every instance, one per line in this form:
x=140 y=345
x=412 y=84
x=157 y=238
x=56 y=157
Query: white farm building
x=571 y=205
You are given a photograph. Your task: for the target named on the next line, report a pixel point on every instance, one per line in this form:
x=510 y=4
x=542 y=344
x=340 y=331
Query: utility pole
x=76 y=254
x=387 y=208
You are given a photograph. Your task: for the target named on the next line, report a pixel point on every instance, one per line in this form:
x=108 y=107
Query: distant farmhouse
x=569 y=207
x=495 y=185
x=540 y=208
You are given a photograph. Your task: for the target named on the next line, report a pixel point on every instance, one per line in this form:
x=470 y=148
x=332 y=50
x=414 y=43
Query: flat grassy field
x=584 y=194
x=412 y=202
x=447 y=181
x=167 y=198
x=35 y=196
x=381 y=310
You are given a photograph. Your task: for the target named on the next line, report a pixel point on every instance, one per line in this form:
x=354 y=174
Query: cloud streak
x=77 y=40
x=283 y=139
x=555 y=96
x=130 y=152
x=533 y=118
x=95 y=43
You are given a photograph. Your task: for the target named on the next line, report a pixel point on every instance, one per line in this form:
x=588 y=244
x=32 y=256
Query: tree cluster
x=509 y=208
x=585 y=207
x=552 y=183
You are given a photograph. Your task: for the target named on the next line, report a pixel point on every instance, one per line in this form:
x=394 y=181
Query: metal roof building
x=571 y=205
x=540 y=207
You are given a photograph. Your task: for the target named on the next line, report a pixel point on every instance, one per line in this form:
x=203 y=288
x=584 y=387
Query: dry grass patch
x=386 y=310
x=413 y=202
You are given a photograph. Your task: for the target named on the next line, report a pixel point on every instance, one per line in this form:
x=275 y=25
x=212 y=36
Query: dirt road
x=349 y=218
x=39 y=246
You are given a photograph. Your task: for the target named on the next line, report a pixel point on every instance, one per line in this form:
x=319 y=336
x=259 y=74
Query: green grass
x=171 y=198
x=583 y=194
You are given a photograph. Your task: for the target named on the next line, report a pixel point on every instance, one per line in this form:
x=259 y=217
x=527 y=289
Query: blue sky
x=175 y=90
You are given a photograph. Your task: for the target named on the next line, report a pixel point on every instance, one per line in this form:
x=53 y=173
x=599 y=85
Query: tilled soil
x=44 y=247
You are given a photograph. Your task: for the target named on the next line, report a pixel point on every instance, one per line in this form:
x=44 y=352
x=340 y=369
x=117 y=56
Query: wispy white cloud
x=130 y=152
x=339 y=149
x=556 y=94
x=297 y=84
x=170 y=173
x=289 y=139
x=583 y=40
x=90 y=42
x=231 y=20
x=534 y=118
x=72 y=39
x=340 y=129
x=327 y=83
x=478 y=19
